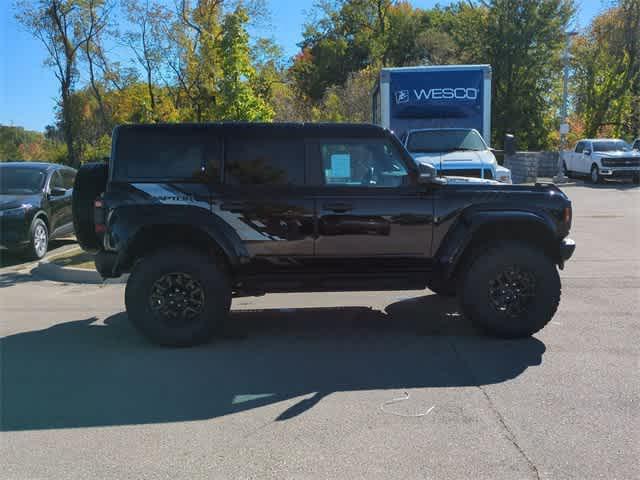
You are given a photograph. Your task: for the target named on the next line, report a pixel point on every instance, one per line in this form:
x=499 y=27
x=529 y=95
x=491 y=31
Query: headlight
x=15 y=212
x=503 y=175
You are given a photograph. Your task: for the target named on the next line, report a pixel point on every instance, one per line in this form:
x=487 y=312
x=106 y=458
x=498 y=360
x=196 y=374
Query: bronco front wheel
x=512 y=290
x=178 y=297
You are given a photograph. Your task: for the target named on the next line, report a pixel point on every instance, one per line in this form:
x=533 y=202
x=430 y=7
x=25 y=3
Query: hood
x=619 y=154
x=455 y=180
x=456 y=159
x=8 y=202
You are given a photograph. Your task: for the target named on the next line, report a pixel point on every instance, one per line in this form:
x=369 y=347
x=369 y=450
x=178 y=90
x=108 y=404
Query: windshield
x=432 y=141
x=21 y=180
x=611 y=146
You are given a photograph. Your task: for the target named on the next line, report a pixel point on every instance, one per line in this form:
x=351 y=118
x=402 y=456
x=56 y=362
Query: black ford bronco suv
x=200 y=213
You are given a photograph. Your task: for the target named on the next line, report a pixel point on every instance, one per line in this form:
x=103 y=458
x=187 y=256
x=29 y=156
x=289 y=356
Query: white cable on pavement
x=402 y=399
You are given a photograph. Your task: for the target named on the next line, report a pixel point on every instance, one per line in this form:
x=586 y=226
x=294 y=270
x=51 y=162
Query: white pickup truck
x=603 y=158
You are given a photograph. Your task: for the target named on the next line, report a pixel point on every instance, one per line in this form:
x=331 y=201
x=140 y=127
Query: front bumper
x=619 y=172
x=14 y=232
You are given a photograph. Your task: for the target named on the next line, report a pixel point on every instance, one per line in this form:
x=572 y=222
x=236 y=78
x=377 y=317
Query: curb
x=51 y=271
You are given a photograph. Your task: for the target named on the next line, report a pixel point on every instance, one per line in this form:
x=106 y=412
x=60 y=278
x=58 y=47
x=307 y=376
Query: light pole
x=564 y=126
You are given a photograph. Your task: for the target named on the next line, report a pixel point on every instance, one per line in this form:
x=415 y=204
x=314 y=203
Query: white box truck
x=442 y=114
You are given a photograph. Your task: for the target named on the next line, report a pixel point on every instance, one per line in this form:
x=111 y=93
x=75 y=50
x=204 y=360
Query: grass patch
x=76 y=259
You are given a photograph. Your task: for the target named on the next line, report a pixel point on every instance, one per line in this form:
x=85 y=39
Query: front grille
x=467 y=172
x=621 y=162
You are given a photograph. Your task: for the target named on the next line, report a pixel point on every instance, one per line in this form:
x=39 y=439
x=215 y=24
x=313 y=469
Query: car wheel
x=566 y=171
x=595 y=174
x=636 y=179
x=511 y=291
x=38 y=240
x=445 y=288
x=177 y=297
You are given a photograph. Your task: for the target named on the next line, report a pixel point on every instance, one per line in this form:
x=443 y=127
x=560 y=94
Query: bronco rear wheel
x=178 y=297
x=511 y=290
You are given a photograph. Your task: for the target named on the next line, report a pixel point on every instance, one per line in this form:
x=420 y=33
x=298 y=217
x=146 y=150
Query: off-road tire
x=90 y=183
x=475 y=292
x=444 y=288
x=38 y=240
x=204 y=270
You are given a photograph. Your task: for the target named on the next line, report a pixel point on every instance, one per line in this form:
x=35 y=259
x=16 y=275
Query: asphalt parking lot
x=342 y=385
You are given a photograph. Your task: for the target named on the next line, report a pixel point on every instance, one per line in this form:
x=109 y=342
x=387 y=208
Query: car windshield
x=611 y=146
x=431 y=141
x=21 y=180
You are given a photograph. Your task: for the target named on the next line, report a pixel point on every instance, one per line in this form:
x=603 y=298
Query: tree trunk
x=67 y=126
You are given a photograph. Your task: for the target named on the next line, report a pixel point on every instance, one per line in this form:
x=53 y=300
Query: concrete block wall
x=547 y=164
x=526 y=167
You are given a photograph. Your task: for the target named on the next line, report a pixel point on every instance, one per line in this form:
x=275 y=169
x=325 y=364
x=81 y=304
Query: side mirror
x=586 y=151
x=427 y=173
x=58 y=192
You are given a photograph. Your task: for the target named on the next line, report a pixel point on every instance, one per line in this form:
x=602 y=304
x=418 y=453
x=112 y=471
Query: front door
x=369 y=215
x=60 y=205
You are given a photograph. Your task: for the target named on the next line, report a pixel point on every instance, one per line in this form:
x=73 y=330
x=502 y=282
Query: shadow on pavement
x=606 y=185
x=11 y=259
x=83 y=373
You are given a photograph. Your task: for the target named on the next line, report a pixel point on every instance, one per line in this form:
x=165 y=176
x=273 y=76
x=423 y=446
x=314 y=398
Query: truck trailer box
x=437 y=96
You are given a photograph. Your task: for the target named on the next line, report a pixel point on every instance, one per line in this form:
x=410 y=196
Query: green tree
x=606 y=80
x=150 y=46
x=237 y=98
x=58 y=25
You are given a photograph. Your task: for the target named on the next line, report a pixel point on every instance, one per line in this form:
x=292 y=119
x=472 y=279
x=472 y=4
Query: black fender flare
x=128 y=222
x=460 y=236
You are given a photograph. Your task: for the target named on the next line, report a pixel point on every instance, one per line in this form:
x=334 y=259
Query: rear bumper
x=567 y=247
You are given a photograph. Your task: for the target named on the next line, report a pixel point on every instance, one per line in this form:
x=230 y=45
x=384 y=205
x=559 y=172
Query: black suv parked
x=201 y=213
x=35 y=205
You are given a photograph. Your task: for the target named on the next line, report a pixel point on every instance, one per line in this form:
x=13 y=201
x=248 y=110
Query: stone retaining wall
x=526 y=167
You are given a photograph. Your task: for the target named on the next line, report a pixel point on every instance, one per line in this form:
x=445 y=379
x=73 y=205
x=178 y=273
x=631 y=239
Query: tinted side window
x=264 y=161
x=156 y=153
x=362 y=164
x=579 y=147
x=56 y=181
x=68 y=177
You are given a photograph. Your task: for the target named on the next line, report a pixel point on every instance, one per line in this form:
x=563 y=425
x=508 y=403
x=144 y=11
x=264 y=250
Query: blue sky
x=29 y=88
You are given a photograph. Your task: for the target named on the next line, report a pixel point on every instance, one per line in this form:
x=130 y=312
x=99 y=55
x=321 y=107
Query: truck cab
x=457 y=152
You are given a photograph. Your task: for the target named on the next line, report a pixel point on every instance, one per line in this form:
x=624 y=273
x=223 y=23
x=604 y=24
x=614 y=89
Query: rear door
x=370 y=216
x=264 y=197
x=66 y=215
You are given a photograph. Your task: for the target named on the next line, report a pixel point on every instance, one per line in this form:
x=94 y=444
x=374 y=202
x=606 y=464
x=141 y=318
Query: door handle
x=338 y=207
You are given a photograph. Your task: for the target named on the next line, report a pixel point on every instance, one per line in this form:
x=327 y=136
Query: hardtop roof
x=291 y=128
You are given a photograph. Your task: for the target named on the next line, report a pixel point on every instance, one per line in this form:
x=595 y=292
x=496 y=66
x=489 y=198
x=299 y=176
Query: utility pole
x=564 y=126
